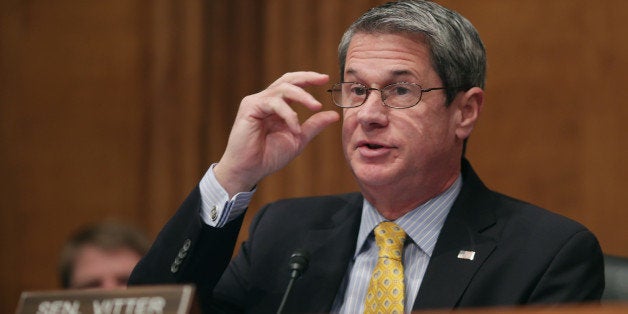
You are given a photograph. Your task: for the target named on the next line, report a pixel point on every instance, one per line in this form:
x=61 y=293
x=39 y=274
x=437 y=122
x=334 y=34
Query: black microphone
x=298 y=263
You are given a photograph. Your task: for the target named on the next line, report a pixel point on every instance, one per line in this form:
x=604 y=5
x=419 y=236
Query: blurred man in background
x=101 y=256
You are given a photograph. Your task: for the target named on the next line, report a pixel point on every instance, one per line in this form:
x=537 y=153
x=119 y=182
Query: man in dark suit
x=412 y=90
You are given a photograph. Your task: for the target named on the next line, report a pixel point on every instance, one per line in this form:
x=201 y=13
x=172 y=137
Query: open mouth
x=374 y=146
x=370 y=145
x=372 y=150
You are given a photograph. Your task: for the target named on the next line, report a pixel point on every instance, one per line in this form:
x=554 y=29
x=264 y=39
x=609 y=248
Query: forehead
x=389 y=54
x=92 y=258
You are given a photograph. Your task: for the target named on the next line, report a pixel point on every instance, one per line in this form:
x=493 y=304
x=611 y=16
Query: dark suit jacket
x=523 y=254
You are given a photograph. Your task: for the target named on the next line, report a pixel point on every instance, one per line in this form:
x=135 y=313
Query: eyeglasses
x=397 y=95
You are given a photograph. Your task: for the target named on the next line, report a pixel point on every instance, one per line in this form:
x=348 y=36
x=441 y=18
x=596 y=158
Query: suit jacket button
x=175 y=265
x=186 y=245
x=174 y=268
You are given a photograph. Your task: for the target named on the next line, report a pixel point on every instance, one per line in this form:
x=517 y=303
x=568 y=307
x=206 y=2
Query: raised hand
x=267 y=134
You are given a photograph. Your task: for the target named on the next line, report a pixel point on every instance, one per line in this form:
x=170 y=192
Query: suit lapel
x=331 y=246
x=447 y=276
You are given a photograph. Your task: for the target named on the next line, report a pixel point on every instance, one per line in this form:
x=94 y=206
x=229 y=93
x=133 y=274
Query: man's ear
x=469 y=108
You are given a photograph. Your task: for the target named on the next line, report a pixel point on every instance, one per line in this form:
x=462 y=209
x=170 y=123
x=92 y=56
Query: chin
x=372 y=175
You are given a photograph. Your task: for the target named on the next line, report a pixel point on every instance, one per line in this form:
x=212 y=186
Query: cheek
x=423 y=133
x=349 y=125
x=410 y=126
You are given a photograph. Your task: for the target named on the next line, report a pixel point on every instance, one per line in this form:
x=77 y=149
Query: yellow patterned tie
x=386 y=288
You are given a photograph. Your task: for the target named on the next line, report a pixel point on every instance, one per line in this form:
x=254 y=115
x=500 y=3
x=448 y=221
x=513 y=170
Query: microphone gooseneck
x=298 y=263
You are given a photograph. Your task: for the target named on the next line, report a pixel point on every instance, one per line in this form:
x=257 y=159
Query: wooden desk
x=610 y=308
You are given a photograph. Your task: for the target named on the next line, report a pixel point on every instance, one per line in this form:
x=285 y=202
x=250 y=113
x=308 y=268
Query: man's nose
x=373 y=112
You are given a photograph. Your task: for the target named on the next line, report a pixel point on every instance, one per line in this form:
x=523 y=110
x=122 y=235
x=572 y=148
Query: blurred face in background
x=95 y=267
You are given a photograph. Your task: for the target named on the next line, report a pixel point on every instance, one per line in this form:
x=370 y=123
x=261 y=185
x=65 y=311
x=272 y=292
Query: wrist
x=233 y=181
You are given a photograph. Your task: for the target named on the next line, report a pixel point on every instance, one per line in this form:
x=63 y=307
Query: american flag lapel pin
x=470 y=255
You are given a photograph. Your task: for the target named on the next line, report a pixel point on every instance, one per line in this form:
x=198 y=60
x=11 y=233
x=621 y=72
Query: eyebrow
x=401 y=72
x=394 y=73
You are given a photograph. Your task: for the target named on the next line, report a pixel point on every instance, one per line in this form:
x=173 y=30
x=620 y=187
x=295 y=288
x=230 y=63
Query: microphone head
x=299 y=261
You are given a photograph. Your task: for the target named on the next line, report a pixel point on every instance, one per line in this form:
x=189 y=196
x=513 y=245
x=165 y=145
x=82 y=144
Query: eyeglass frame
x=369 y=89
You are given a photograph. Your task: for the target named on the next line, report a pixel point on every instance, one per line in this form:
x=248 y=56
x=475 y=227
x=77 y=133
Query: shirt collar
x=422 y=224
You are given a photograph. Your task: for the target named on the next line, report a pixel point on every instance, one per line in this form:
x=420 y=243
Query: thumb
x=317 y=123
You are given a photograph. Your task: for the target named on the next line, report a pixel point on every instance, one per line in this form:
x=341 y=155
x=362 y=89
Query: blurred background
x=115 y=109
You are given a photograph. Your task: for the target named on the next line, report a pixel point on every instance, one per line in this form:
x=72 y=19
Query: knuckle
x=250 y=99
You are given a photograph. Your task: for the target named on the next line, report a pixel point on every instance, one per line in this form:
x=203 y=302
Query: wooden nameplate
x=168 y=299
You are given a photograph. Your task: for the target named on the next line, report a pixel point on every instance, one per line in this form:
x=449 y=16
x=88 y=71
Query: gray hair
x=457 y=52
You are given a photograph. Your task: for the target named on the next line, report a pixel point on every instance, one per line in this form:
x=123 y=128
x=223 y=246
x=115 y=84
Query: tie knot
x=390 y=239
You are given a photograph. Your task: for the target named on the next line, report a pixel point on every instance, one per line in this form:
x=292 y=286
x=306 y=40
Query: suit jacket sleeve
x=575 y=273
x=188 y=251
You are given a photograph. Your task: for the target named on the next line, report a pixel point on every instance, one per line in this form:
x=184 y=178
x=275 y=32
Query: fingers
x=276 y=99
x=302 y=79
x=318 y=122
x=290 y=87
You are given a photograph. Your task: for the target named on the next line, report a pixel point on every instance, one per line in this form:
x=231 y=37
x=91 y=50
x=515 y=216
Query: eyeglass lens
x=398 y=95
